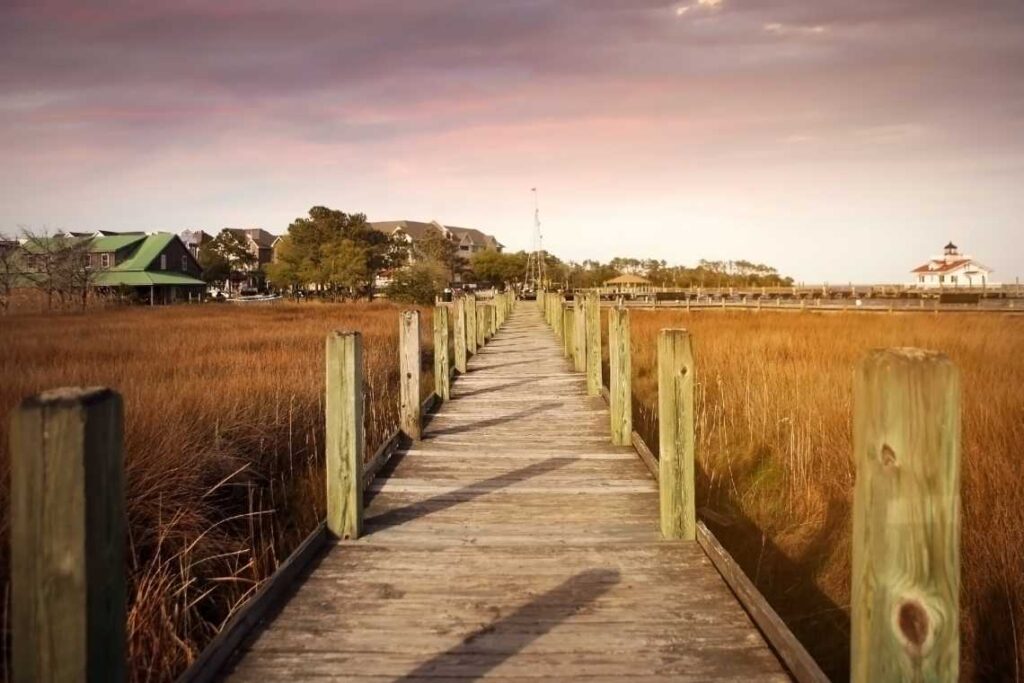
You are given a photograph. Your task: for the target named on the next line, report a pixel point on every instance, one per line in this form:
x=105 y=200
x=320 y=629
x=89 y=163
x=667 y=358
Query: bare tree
x=58 y=264
x=10 y=269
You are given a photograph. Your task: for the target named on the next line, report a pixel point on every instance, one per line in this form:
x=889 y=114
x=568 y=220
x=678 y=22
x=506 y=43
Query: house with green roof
x=155 y=268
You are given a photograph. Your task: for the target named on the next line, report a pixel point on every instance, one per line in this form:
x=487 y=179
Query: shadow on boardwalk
x=488 y=647
x=407 y=513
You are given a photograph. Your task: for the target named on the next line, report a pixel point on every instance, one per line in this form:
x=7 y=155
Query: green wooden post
x=619 y=377
x=593 y=344
x=460 y=335
x=905 y=616
x=675 y=419
x=67 y=538
x=579 y=334
x=472 y=322
x=344 y=434
x=409 y=367
x=442 y=376
x=568 y=327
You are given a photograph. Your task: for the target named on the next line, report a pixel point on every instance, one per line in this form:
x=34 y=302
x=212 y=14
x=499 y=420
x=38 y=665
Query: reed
x=774 y=443
x=224 y=432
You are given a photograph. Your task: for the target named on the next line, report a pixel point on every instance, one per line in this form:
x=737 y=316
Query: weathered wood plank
x=442 y=373
x=620 y=372
x=409 y=418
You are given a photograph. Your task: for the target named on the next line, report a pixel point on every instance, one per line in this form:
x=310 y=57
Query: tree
x=437 y=248
x=420 y=283
x=317 y=255
x=59 y=264
x=347 y=266
x=285 y=272
x=497 y=268
x=225 y=256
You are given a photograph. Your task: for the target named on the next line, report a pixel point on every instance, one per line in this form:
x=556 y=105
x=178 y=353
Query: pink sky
x=837 y=141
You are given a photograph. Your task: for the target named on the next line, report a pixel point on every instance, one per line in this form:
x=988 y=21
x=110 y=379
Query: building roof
x=142 y=278
x=628 y=280
x=417 y=230
x=110 y=243
x=196 y=237
x=475 y=236
x=261 y=237
x=940 y=266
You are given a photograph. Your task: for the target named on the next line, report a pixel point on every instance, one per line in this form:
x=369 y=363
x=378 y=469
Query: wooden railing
x=68 y=518
x=906 y=512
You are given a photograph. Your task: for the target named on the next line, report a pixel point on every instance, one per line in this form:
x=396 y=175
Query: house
x=952 y=269
x=468 y=240
x=195 y=239
x=154 y=267
x=259 y=241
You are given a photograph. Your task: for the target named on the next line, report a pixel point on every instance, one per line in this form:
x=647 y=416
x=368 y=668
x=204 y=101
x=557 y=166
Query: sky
x=835 y=140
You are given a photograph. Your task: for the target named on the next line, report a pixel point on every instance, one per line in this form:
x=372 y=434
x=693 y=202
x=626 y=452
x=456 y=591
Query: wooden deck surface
x=513 y=542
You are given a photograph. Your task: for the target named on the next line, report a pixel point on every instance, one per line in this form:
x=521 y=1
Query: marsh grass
x=774 y=435
x=223 y=442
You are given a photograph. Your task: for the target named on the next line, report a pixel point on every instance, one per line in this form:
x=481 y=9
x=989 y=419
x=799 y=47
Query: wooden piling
x=67 y=538
x=579 y=334
x=675 y=418
x=593 y=323
x=471 y=323
x=409 y=368
x=620 y=377
x=344 y=434
x=442 y=376
x=481 y=324
x=906 y=518
x=559 y=314
x=568 y=327
x=459 y=334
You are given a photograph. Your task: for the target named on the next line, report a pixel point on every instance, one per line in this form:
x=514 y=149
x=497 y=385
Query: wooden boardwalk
x=513 y=542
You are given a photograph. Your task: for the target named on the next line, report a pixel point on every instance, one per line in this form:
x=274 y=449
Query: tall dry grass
x=774 y=439
x=223 y=441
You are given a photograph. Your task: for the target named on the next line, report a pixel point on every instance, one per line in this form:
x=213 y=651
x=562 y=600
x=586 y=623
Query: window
x=184 y=263
x=920 y=278
x=104 y=260
x=163 y=261
x=953 y=278
x=942 y=278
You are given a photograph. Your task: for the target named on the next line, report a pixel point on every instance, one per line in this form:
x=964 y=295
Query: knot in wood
x=888 y=456
x=913 y=624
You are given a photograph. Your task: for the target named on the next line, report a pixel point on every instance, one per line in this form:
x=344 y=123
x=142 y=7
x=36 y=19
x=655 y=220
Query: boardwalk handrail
x=905 y=615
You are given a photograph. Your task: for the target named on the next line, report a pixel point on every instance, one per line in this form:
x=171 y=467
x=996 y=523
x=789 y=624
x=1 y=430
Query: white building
x=952 y=269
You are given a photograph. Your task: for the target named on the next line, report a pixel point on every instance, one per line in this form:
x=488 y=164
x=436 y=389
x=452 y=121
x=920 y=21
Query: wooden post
x=471 y=323
x=459 y=334
x=481 y=324
x=409 y=367
x=559 y=309
x=593 y=344
x=580 y=335
x=442 y=376
x=906 y=518
x=620 y=377
x=568 y=327
x=68 y=538
x=675 y=418
x=344 y=435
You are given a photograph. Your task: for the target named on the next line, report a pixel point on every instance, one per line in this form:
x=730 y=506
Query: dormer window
x=104 y=260
x=163 y=261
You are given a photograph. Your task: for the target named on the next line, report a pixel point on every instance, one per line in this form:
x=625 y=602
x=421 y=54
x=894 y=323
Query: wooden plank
x=783 y=642
x=906 y=518
x=208 y=665
x=67 y=537
x=344 y=440
x=675 y=435
x=579 y=335
x=409 y=418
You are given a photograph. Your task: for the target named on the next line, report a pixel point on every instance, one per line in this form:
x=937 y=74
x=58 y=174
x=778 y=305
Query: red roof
x=943 y=266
